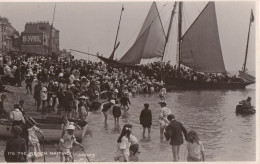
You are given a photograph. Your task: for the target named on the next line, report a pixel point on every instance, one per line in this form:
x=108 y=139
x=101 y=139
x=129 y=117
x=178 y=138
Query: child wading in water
x=195 y=147
x=162 y=94
x=66 y=144
x=122 y=154
x=34 y=144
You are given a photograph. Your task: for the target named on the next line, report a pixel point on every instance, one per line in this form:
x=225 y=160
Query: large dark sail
x=200 y=45
x=150 y=41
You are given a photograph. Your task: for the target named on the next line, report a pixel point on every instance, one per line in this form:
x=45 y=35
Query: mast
x=115 y=44
x=251 y=20
x=50 y=39
x=179 y=34
x=167 y=36
x=169 y=28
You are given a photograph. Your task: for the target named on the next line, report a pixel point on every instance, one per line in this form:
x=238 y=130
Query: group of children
x=128 y=145
x=65 y=147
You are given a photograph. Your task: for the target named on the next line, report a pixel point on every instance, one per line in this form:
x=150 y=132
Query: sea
x=225 y=135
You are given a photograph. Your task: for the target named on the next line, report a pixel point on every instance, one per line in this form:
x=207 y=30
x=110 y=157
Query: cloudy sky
x=91 y=26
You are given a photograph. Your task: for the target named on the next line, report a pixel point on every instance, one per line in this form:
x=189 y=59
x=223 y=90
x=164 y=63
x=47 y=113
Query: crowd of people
x=169 y=72
x=73 y=88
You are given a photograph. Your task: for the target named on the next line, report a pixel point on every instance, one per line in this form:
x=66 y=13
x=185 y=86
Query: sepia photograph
x=129 y=81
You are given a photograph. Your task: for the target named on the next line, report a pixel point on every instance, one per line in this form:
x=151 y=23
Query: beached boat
x=241 y=110
x=243 y=74
x=51 y=127
x=150 y=42
x=200 y=51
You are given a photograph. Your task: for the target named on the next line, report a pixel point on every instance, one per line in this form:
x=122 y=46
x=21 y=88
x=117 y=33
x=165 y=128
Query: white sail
x=200 y=45
x=150 y=41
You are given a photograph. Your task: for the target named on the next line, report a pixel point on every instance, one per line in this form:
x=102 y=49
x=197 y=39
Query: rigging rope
x=199 y=11
x=185 y=20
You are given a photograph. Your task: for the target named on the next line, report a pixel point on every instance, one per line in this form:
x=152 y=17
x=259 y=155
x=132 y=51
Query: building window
x=42 y=28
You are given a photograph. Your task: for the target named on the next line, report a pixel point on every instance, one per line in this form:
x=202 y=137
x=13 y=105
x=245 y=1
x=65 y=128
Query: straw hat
x=44 y=89
x=70 y=127
x=83 y=97
x=113 y=101
x=55 y=83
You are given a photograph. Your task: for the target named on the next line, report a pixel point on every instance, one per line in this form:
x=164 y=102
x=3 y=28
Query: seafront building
x=9 y=36
x=40 y=37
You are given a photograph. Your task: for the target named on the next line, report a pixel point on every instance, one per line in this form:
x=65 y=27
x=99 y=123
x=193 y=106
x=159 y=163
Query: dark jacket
x=174 y=132
x=146 y=117
x=15 y=150
x=37 y=91
x=125 y=101
x=3 y=112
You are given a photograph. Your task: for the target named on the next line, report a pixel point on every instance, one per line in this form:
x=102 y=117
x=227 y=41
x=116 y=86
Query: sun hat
x=113 y=101
x=55 y=83
x=83 y=97
x=44 y=89
x=70 y=127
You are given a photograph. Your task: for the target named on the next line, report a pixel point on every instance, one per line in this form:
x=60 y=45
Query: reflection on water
x=226 y=136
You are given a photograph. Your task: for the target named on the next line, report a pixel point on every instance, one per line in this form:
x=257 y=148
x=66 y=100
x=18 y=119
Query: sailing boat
x=245 y=76
x=150 y=42
x=199 y=49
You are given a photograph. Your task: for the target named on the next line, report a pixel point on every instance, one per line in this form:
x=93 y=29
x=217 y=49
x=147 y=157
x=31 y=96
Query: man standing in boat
x=246 y=104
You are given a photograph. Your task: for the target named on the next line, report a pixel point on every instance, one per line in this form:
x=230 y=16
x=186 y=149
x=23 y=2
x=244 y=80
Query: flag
x=252 y=17
x=123 y=8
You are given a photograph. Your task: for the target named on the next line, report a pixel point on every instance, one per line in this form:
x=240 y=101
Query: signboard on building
x=32 y=39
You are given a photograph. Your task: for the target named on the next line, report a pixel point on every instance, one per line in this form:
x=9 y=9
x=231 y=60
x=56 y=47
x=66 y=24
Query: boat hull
x=117 y=64
x=188 y=84
x=246 y=77
x=52 y=132
x=240 y=110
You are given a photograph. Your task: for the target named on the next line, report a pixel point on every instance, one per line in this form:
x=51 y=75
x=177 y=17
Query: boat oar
x=86 y=154
x=43 y=148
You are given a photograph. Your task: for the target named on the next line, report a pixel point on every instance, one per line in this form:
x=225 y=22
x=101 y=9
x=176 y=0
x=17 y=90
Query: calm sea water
x=225 y=135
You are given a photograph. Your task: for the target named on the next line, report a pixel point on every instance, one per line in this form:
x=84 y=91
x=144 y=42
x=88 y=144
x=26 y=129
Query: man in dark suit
x=174 y=132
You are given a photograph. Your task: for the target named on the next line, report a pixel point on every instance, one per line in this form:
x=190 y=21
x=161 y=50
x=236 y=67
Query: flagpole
x=251 y=20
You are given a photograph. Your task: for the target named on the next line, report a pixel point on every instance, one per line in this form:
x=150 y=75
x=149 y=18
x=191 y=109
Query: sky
x=91 y=26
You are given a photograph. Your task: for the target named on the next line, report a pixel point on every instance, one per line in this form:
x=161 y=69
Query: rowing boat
x=50 y=126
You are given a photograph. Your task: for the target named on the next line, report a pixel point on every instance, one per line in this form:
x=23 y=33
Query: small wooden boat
x=241 y=110
x=51 y=127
